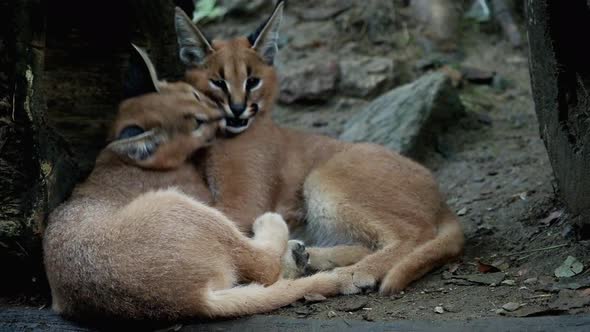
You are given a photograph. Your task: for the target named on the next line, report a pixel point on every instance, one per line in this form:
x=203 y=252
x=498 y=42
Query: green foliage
x=207 y=10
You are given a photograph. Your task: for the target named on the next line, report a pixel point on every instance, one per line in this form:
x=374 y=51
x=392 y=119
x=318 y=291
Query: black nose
x=237 y=109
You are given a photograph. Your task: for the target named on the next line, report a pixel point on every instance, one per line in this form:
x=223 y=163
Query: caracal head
x=237 y=74
x=161 y=124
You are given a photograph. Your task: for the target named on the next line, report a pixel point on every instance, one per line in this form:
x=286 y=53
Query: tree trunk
x=61 y=69
x=560 y=76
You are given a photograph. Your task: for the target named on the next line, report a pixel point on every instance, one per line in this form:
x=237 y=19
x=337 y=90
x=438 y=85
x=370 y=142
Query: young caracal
x=377 y=215
x=137 y=241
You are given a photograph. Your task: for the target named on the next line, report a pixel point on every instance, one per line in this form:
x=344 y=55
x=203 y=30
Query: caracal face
x=238 y=74
x=162 y=129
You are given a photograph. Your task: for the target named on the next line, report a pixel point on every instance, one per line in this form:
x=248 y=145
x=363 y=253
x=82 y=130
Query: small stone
x=511 y=306
x=332 y=314
x=439 y=310
x=509 y=282
x=368 y=317
x=477 y=76
x=530 y=281
x=303 y=311
x=462 y=212
x=352 y=304
x=451 y=308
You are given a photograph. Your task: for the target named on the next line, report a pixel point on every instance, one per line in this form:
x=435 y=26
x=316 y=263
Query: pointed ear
x=141 y=75
x=193 y=46
x=265 y=39
x=138 y=147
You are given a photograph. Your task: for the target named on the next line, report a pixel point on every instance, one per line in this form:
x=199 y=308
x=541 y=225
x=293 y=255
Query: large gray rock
x=311 y=79
x=407 y=118
x=364 y=76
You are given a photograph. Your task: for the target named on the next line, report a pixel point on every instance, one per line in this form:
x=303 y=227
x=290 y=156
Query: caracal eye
x=252 y=83
x=218 y=84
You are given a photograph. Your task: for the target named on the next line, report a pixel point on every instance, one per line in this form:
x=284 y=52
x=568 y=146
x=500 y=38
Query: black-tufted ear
x=265 y=39
x=138 y=145
x=141 y=75
x=193 y=47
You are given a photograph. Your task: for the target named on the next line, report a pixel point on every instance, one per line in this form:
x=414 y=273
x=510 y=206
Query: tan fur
x=361 y=204
x=140 y=242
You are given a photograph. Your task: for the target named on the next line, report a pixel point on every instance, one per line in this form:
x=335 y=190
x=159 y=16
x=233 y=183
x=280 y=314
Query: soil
x=491 y=164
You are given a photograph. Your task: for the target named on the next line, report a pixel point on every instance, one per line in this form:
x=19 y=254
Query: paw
x=272 y=224
x=355 y=282
x=295 y=260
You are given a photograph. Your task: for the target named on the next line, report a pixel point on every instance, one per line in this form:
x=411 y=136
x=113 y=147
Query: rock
x=511 y=306
x=312 y=35
x=363 y=76
x=327 y=10
x=439 y=310
x=370 y=20
x=407 y=118
x=508 y=282
x=309 y=79
x=352 y=304
x=485 y=279
x=530 y=281
x=441 y=19
x=243 y=6
x=477 y=76
x=313 y=298
x=332 y=314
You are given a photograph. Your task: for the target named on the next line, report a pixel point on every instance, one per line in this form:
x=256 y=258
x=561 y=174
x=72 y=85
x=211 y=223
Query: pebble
x=439 y=310
x=511 y=306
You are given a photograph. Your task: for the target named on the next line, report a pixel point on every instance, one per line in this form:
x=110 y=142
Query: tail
x=447 y=245
x=255 y=298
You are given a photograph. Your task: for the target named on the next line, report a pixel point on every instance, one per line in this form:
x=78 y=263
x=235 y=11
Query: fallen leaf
x=486 y=268
x=535 y=311
x=570 y=267
x=551 y=218
x=569 y=299
x=566 y=284
x=454 y=267
x=485 y=279
x=511 y=306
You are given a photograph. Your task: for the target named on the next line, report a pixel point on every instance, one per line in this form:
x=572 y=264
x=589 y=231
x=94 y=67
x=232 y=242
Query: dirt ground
x=491 y=164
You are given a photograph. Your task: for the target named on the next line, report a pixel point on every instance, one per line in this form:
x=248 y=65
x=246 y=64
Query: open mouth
x=236 y=123
x=237 y=126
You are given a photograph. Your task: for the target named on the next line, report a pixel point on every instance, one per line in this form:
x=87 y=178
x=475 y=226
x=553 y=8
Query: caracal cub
x=363 y=206
x=133 y=241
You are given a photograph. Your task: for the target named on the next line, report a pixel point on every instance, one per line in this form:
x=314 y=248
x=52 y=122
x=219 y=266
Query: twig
x=539 y=249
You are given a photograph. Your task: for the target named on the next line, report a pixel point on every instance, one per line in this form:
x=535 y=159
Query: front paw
x=295 y=260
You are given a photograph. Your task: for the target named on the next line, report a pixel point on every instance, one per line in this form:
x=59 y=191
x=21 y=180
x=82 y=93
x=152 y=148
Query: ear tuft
x=141 y=75
x=193 y=45
x=266 y=37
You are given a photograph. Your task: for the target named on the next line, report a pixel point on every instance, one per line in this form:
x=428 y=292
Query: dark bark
x=560 y=76
x=62 y=66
